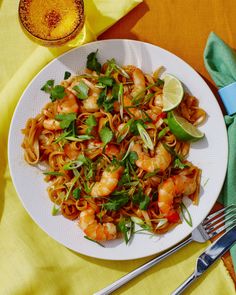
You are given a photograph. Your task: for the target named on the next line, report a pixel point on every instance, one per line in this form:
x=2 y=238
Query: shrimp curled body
x=95 y=230
x=183 y=184
x=160 y=161
x=107 y=183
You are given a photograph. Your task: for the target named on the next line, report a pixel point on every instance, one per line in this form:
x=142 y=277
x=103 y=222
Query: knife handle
x=185 y=284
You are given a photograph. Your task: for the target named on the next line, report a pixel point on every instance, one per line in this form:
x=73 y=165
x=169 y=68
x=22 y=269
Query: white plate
x=210 y=154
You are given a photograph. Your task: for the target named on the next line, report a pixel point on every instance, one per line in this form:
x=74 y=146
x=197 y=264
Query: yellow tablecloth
x=33 y=263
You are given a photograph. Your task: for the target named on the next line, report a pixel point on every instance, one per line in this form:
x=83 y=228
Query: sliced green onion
x=124 y=131
x=150 y=174
x=121 y=99
x=137 y=220
x=71 y=187
x=161 y=222
x=145 y=136
x=72 y=165
x=128 y=150
x=186 y=215
x=163 y=132
x=122 y=72
x=79 y=137
x=55 y=210
x=54 y=173
x=88 y=238
x=62 y=136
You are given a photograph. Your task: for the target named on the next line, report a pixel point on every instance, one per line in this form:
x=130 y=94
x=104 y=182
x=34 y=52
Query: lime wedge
x=182 y=129
x=172 y=93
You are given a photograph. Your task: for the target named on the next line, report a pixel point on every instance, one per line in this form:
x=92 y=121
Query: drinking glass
x=51 y=22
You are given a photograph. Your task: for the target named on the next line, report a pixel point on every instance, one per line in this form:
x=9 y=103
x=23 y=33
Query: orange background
x=182 y=27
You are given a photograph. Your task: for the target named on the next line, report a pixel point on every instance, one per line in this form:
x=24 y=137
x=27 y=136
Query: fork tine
x=212 y=222
x=213 y=215
x=215 y=226
x=222 y=228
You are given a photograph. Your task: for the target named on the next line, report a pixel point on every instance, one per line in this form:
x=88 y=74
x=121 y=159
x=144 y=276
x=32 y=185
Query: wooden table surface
x=182 y=27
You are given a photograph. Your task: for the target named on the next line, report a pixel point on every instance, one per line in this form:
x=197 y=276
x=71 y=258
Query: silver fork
x=212 y=225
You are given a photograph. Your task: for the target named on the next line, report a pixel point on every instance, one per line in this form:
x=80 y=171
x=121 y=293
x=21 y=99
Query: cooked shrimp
x=51 y=124
x=110 y=150
x=69 y=104
x=134 y=111
x=160 y=161
x=90 y=104
x=183 y=184
x=138 y=79
x=107 y=183
x=95 y=230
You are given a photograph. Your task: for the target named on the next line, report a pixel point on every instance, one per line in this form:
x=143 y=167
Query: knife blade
x=210 y=256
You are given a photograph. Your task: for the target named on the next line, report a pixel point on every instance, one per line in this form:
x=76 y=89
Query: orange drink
x=51 y=22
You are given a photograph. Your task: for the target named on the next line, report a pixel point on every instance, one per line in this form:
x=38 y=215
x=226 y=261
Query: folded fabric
x=32 y=262
x=220 y=61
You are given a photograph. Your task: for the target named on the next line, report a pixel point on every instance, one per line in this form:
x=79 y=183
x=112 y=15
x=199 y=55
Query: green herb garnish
x=116 y=202
x=55 y=210
x=126 y=226
x=67 y=75
x=107 y=81
x=178 y=159
x=186 y=215
x=145 y=136
x=141 y=199
x=56 y=92
x=65 y=119
x=163 y=132
x=54 y=173
x=92 y=62
x=81 y=90
x=90 y=122
x=77 y=193
x=88 y=238
x=106 y=135
x=112 y=66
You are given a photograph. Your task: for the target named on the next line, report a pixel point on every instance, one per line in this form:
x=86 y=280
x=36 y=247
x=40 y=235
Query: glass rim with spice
x=51 y=22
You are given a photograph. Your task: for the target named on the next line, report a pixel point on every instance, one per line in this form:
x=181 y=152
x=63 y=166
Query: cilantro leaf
x=65 y=119
x=116 y=202
x=92 y=62
x=102 y=97
x=133 y=157
x=106 y=135
x=56 y=92
x=47 y=87
x=141 y=199
x=179 y=164
x=76 y=193
x=109 y=104
x=90 y=122
x=105 y=102
x=82 y=90
x=67 y=75
x=115 y=90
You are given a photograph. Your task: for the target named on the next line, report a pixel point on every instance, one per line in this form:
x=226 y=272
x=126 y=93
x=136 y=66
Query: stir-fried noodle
x=112 y=158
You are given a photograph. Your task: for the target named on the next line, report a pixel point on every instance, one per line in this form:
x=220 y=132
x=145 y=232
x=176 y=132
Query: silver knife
x=207 y=258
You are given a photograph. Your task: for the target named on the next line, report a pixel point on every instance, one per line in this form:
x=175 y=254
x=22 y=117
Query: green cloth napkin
x=220 y=62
